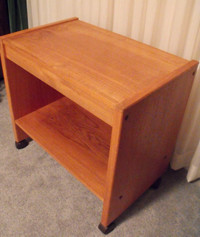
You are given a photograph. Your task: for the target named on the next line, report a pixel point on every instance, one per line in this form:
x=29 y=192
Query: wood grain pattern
x=70 y=85
x=36 y=28
x=40 y=70
x=25 y=93
x=91 y=66
x=146 y=142
x=75 y=138
x=136 y=98
x=18 y=133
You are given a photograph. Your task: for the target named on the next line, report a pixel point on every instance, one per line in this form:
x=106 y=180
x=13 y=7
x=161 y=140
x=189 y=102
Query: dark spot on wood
x=126 y=117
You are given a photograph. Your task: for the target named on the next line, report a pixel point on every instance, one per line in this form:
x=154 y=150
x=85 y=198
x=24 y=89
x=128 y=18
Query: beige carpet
x=40 y=198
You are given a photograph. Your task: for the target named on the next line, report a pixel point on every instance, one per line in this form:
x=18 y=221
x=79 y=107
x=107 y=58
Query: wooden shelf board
x=75 y=138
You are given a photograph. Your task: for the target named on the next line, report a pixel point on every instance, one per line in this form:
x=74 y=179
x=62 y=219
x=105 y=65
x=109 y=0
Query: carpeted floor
x=40 y=198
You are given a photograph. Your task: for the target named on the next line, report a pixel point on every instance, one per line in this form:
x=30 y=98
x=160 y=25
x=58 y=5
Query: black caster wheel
x=106 y=230
x=22 y=144
x=156 y=184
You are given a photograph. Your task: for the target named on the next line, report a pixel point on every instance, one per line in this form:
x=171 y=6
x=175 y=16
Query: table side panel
x=146 y=137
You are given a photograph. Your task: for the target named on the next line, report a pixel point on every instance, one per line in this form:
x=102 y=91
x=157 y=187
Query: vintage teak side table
x=106 y=107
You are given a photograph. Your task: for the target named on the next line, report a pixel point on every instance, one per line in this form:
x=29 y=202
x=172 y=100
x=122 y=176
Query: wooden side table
x=106 y=107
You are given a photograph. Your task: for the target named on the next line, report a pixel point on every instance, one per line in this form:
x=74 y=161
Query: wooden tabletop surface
x=99 y=64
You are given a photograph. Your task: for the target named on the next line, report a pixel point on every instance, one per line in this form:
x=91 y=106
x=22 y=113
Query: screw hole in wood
x=193 y=73
x=120 y=197
x=126 y=117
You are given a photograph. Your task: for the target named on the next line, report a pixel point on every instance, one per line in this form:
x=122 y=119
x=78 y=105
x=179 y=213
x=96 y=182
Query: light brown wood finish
x=89 y=64
x=70 y=85
x=41 y=71
x=146 y=134
x=166 y=79
x=25 y=93
x=75 y=138
x=36 y=28
x=18 y=133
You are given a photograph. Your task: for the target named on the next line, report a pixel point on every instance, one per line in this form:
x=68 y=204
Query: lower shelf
x=75 y=138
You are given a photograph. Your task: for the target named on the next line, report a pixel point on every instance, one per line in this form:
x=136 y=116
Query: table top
x=94 y=63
